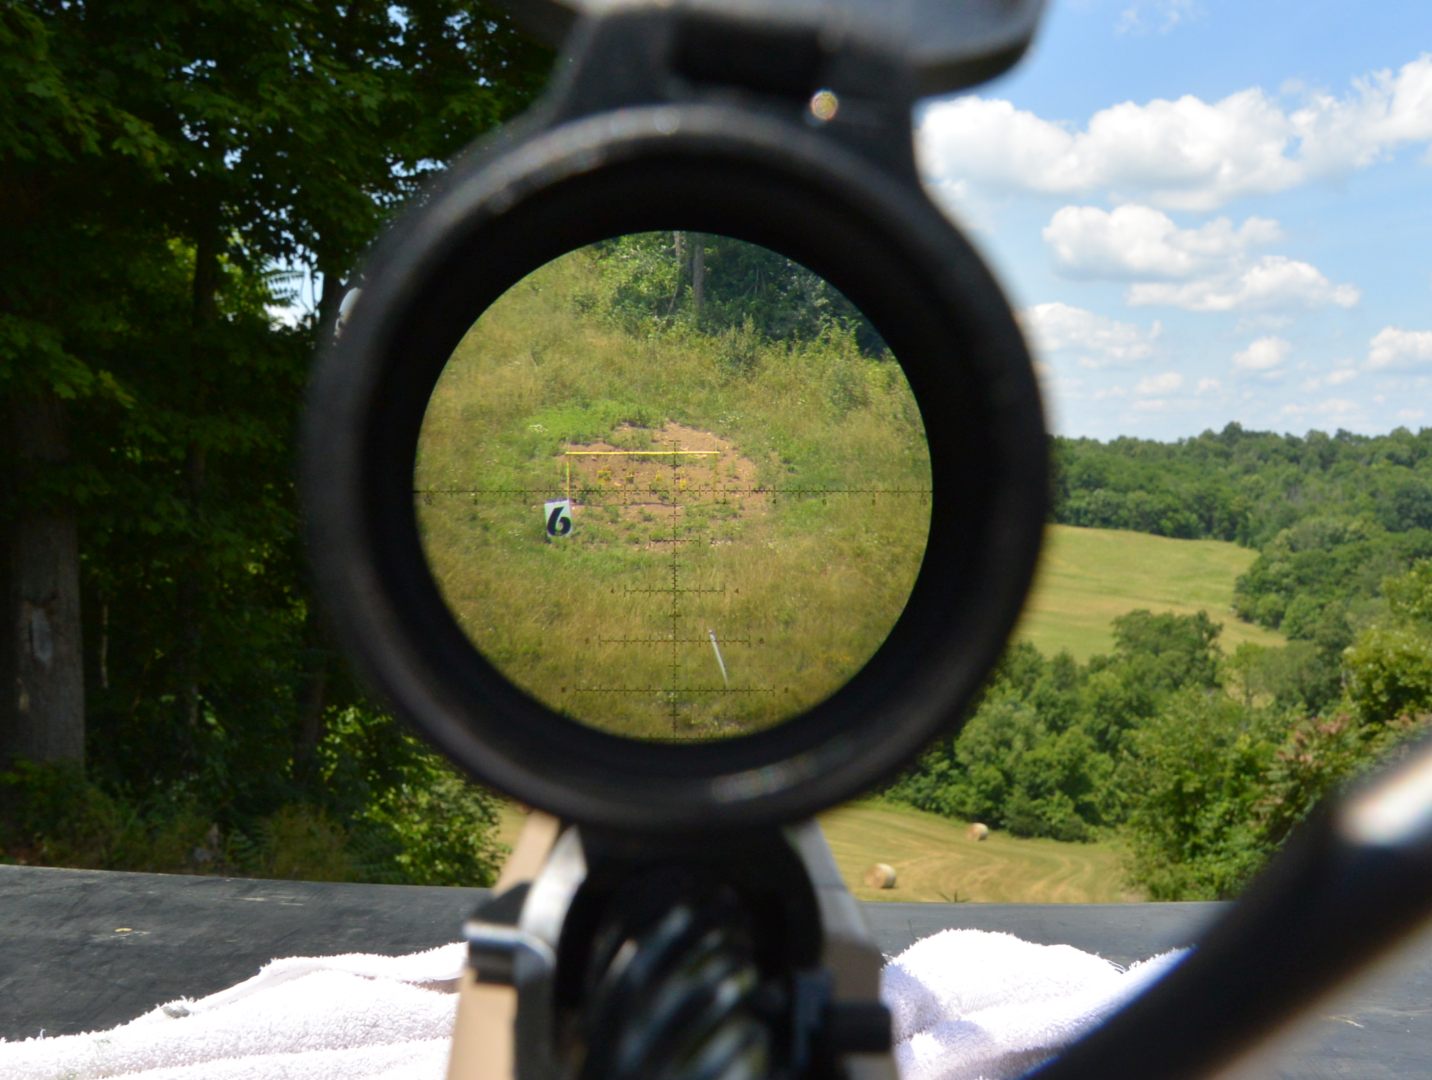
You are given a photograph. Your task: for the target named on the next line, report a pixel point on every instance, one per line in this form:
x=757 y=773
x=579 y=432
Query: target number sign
x=558 y=515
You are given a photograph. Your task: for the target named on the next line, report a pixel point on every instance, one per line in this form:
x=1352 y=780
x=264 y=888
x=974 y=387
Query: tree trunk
x=698 y=275
x=203 y=312
x=333 y=292
x=42 y=702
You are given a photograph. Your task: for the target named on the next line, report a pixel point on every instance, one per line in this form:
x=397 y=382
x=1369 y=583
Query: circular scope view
x=674 y=486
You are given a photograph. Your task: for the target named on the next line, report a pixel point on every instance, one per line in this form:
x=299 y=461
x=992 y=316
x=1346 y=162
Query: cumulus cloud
x=1265 y=354
x=1185 y=154
x=1213 y=262
x=1095 y=340
x=1396 y=349
x=1164 y=383
x=1272 y=282
x=1136 y=242
x=1208 y=386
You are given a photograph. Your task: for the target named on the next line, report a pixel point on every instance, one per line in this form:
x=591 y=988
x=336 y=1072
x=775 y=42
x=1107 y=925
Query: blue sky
x=1208 y=211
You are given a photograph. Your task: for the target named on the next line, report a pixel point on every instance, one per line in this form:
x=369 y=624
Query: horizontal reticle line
x=670 y=690
x=683 y=491
x=669 y=641
x=640 y=453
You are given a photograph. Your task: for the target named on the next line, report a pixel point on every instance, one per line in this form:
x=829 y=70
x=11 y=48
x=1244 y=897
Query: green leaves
x=157 y=160
x=1390 y=662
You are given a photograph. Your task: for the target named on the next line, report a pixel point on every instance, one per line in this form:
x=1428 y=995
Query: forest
x=172 y=174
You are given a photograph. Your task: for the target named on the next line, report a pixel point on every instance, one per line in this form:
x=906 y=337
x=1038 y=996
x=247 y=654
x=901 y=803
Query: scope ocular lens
x=674 y=486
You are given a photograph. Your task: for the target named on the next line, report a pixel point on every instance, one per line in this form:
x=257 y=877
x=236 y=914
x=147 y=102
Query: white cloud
x=1095 y=340
x=1208 y=386
x=1395 y=349
x=1265 y=354
x=1411 y=414
x=1138 y=242
x=1157 y=16
x=1211 y=263
x=1384 y=110
x=1273 y=282
x=1333 y=378
x=1332 y=408
x=1185 y=154
x=1165 y=383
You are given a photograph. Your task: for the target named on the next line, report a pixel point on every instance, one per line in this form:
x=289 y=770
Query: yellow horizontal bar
x=635 y=453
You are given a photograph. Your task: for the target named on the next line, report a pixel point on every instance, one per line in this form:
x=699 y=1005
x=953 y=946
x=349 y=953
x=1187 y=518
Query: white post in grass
x=721 y=663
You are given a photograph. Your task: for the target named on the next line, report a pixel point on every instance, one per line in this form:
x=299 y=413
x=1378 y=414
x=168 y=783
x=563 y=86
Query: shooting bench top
x=82 y=949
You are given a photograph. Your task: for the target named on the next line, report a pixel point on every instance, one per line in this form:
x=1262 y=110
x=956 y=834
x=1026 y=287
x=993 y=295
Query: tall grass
x=797 y=545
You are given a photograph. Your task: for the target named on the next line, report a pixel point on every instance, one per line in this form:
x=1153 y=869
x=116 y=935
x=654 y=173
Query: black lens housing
x=508 y=210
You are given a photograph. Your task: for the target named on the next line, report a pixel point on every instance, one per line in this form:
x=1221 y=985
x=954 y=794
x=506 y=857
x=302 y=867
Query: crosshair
x=672 y=594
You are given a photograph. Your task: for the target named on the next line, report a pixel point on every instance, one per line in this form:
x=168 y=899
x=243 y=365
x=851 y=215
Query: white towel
x=966 y=1004
x=352 y=1017
x=973 y=1005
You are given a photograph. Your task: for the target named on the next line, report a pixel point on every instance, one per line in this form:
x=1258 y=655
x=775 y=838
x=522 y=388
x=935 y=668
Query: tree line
x=1331 y=517
x=168 y=174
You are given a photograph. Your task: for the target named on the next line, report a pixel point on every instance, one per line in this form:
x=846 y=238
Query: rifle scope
x=681 y=466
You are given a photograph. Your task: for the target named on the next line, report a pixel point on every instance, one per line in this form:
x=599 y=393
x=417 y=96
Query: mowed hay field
x=1088 y=577
x=936 y=861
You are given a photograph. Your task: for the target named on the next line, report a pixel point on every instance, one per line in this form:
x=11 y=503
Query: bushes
x=51 y=814
x=385 y=810
x=1198 y=768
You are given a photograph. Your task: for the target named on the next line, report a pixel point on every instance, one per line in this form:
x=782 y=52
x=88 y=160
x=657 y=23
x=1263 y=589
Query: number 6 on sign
x=558 y=513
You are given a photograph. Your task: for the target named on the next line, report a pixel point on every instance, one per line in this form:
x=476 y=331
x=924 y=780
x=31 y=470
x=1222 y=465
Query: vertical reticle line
x=427 y=497
x=674 y=456
x=675 y=610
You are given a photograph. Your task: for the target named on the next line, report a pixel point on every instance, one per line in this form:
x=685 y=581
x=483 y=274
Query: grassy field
x=1089 y=576
x=937 y=862
x=747 y=517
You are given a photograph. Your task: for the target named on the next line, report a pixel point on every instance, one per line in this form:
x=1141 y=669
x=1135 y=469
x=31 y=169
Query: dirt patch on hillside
x=664 y=474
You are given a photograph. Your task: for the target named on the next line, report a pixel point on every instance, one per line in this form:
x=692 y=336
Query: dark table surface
x=82 y=950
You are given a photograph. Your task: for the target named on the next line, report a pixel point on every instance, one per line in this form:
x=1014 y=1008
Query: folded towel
x=973 y=1005
x=966 y=1004
x=352 y=1017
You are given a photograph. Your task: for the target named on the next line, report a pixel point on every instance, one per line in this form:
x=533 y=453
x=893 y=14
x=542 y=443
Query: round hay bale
x=880 y=876
x=978 y=831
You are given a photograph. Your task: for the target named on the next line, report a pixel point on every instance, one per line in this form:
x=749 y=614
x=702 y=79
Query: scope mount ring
x=715 y=169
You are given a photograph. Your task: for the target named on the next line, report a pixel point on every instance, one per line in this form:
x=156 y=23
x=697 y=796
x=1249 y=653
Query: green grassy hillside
x=1087 y=577
x=936 y=861
x=746 y=517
